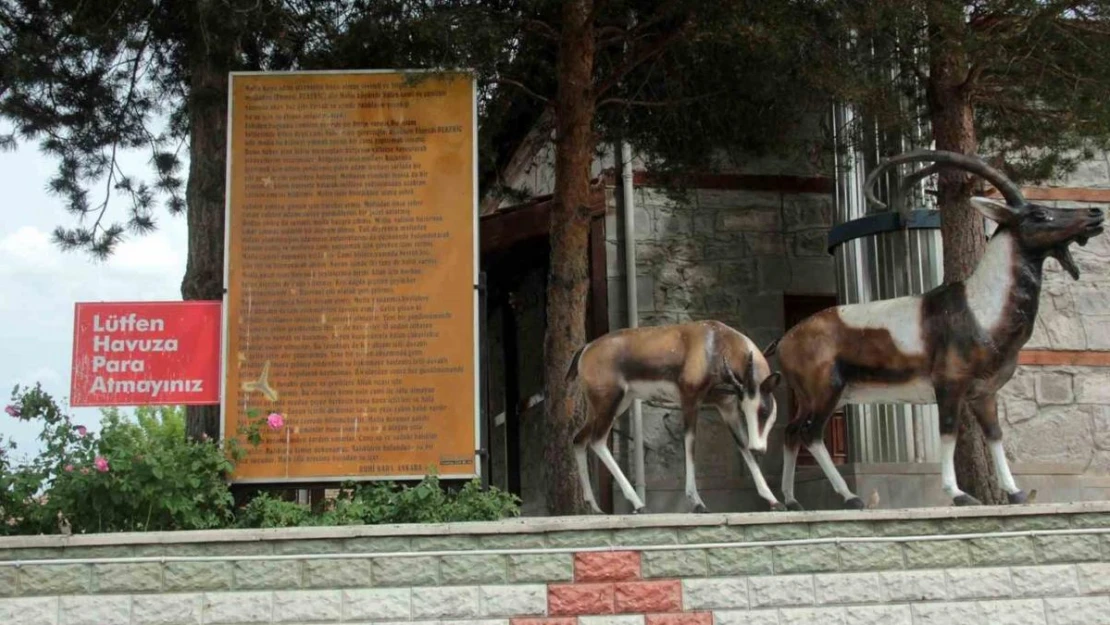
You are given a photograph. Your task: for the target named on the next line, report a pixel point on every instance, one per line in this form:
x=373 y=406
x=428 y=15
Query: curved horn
x=943 y=158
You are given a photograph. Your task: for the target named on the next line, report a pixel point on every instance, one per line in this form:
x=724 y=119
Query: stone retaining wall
x=1047 y=564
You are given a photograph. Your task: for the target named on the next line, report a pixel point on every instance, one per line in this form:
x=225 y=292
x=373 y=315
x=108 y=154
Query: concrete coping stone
x=542 y=525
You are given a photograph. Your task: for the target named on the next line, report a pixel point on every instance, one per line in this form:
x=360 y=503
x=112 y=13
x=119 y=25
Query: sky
x=39 y=283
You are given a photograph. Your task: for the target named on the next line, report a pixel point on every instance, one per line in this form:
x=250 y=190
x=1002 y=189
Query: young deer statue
x=955 y=345
x=689 y=365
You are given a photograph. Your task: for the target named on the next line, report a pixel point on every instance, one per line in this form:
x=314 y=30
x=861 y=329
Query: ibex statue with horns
x=688 y=365
x=955 y=345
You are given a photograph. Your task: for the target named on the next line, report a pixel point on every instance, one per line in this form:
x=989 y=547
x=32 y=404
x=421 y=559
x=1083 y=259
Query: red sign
x=146 y=353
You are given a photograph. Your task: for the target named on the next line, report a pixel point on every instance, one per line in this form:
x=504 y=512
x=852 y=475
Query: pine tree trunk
x=204 y=197
x=568 y=276
x=952 y=119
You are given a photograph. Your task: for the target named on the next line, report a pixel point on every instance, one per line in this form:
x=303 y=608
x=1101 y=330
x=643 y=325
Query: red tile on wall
x=576 y=599
x=682 y=618
x=570 y=620
x=660 y=596
x=606 y=566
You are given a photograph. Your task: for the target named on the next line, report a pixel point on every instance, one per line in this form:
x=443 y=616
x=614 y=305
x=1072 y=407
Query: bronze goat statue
x=954 y=345
x=689 y=365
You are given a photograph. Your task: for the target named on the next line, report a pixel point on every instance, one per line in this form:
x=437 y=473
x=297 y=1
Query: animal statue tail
x=572 y=370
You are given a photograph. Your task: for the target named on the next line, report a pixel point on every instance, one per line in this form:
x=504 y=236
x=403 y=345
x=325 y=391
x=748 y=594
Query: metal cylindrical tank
x=880 y=255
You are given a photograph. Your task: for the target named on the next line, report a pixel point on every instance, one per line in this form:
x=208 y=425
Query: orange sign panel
x=351 y=260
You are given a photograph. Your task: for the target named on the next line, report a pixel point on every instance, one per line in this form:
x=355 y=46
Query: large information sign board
x=351 y=260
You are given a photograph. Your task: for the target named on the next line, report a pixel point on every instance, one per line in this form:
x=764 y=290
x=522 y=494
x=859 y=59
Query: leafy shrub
x=385 y=503
x=145 y=475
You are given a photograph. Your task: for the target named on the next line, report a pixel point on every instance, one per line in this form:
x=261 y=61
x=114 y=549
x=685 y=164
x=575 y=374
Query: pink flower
x=101 y=464
x=81 y=431
x=84 y=470
x=275 y=420
x=13 y=411
x=69 y=468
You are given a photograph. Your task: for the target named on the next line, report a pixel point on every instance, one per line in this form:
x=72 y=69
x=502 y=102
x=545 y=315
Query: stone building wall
x=1033 y=565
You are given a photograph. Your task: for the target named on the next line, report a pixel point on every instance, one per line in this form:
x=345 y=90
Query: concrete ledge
x=544 y=525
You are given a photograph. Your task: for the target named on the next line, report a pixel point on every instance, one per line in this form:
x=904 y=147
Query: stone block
x=731 y=199
x=55 y=579
x=1044 y=581
x=175 y=609
x=915 y=585
x=445 y=543
x=781 y=590
x=379 y=604
x=1038 y=522
x=1090 y=520
x=745 y=617
x=483 y=569
x=645 y=536
x=715 y=594
x=805 y=616
x=670 y=222
x=1014 y=612
x=578 y=599
x=717 y=534
x=446 y=602
x=1002 y=551
x=378 y=544
x=37 y=611
x=947 y=613
x=1067 y=548
x=300 y=547
x=870 y=556
x=679 y=563
x=849 y=588
x=739 y=275
x=1092 y=387
x=1097 y=331
x=304 y=606
x=267 y=574
x=765 y=243
x=1078 y=611
x=740 y=561
x=749 y=220
x=705 y=222
x=807 y=212
x=9 y=582
x=1054 y=388
x=515 y=600
x=103 y=610
x=609 y=619
x=917 y=527
x=606 y=566
x=418 y=571
x=783 y=531
x=936 y=554
x=725 y=246
x=806 y=558
x=979 y=583
x=647 y=596
x=879 y=615
x=127 y=578
x=238 y=608
x=693 y=618
x=533 y=567
x=1094 y=579
x=189 y=576
x=810 y=243
x=345 y=573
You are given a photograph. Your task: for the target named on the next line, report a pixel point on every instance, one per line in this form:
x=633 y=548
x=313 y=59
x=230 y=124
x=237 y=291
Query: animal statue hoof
x=794 y=505
x=778 y=507
x=966 y=500
x=638 y=510
x=700 y=509
x=854 y=503
x=1018 y=497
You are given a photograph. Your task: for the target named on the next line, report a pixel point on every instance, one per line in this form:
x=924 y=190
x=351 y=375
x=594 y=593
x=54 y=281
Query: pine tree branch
x=521 y=86
x=641 y=56
x=658 y=103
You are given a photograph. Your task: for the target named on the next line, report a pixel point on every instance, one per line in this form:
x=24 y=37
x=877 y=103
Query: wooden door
x=795 y=309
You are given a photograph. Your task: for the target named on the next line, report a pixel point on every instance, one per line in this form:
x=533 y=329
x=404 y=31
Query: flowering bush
x=145 y=475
